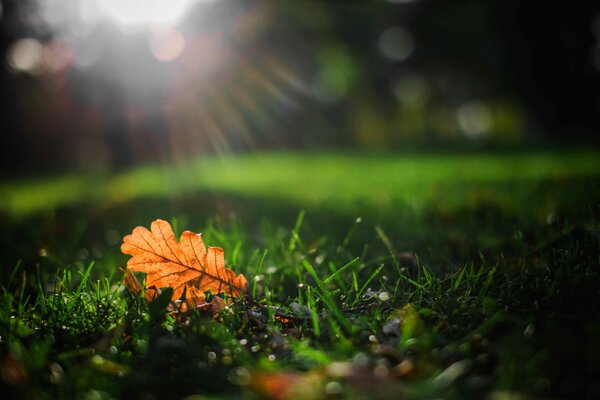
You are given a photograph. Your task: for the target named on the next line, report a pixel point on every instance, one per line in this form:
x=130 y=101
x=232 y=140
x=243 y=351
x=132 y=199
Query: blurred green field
x=446 y=207
x=342 y=182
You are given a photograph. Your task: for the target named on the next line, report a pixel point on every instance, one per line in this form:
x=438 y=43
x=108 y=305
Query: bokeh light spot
x=26 y=55
x=396 y=43
x=141 y=12
x=168 y=46
x=411 y=89
x=474 y=118
x=58 y=55
x=336 y=75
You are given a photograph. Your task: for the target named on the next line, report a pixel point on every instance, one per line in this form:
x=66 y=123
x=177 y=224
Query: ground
x=371 y=275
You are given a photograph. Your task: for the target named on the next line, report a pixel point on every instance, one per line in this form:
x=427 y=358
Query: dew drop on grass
x=271 y=270
x=113 y=350
x=384 y=296
x=255 y=348
x=212 y=356
x=272 y=357
x=244 y=342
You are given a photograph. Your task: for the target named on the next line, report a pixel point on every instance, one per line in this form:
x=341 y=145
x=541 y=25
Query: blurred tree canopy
x=283 y=74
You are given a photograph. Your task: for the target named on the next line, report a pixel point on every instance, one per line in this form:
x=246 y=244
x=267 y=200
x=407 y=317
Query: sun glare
x=144 y=12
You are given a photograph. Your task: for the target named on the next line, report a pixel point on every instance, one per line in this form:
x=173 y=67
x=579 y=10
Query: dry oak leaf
x=186 y=265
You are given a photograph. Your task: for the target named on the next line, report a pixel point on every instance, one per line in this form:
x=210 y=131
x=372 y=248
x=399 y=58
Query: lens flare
x=168 y=46
x=143 y=12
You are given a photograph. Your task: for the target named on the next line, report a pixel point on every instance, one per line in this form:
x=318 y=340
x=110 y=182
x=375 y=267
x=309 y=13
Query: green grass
x=465 y=277
x=305 y=180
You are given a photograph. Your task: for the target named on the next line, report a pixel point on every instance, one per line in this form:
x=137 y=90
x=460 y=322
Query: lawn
x=377 y=275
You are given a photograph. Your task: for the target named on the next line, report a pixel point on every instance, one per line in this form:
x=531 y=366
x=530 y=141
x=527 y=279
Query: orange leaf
x=186 y=265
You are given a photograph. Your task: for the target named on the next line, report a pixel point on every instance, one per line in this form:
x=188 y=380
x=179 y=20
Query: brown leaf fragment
x=130 y=282
x=186 y=266
x=217 y=304
x=133 y=286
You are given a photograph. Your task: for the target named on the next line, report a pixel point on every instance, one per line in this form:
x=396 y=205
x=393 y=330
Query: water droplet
x=271 y=270
x=384 y=296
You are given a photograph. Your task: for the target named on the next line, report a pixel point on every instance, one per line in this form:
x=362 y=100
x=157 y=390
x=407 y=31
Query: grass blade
x=342 y=269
